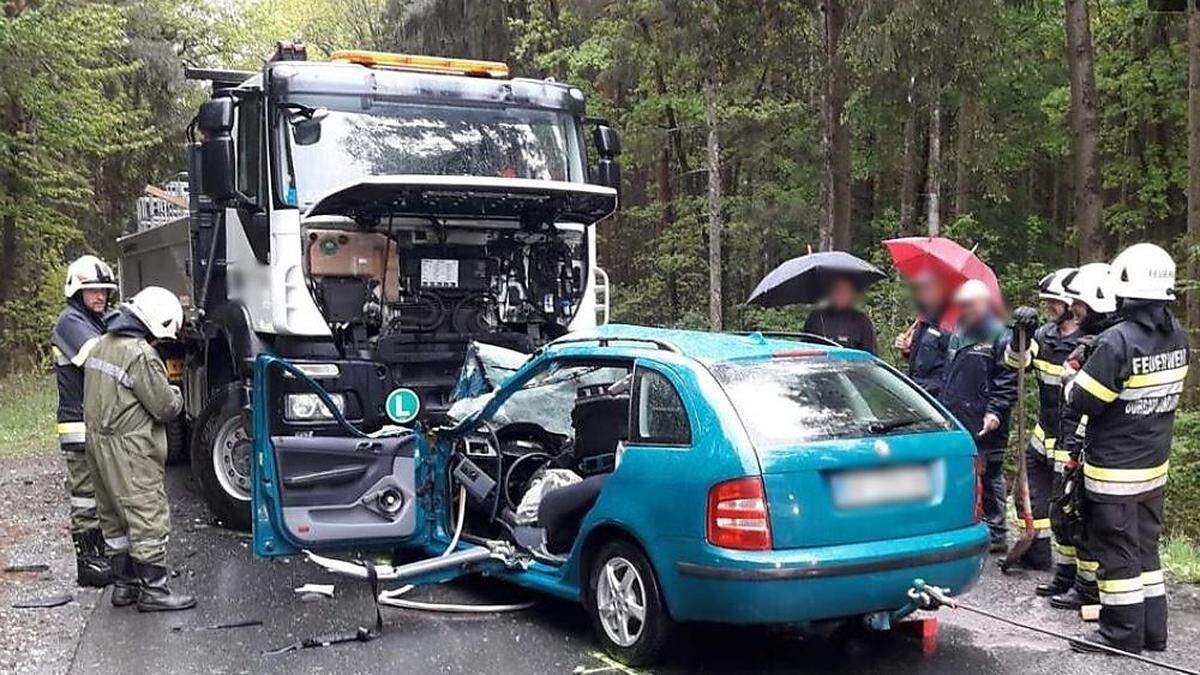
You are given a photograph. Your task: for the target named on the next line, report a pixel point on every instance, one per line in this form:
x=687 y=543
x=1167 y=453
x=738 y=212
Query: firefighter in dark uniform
x=1047 y=348
x=80 y=324
x=1093 y=305
x=925 y=344
x=980 y=391
x=1129 y=388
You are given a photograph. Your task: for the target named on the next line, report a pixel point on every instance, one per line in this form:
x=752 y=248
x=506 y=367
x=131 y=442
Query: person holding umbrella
x=926 y=341
x=833 y=278
x=837 y=319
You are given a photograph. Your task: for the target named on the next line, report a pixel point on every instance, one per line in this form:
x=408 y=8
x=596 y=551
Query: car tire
x=221 y=453
x=177 y=445
x=643 y=641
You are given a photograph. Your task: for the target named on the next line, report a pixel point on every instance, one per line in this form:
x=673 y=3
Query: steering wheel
x=522 y=479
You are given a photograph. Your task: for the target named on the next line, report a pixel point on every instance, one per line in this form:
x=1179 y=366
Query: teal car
x=655 y=476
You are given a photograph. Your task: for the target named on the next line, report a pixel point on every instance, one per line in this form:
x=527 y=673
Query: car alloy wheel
x=621 y=601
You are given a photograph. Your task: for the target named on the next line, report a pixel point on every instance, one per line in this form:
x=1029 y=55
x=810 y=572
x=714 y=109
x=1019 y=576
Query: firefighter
x=980 y=391
x=1047 y=348
x=1092 y=304
x=1129 y=388
x=127 y=402
x=924 y=344
x=80 y=324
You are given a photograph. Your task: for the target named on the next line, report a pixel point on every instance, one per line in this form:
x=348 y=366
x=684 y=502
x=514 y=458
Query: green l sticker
x=403 y=405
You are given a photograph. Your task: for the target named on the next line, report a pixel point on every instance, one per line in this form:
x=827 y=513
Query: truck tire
x=177 y=445
x=221 y=450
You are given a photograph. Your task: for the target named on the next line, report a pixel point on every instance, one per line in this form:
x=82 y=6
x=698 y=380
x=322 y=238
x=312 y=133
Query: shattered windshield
x=364 y=136
x=791 y=401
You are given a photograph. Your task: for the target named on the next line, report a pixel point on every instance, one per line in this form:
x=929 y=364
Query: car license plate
x=873 y=487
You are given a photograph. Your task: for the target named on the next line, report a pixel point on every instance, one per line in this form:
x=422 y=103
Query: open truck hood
x=530 y=202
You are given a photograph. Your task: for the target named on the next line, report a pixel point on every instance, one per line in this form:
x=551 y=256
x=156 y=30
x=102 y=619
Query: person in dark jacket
x=90 y=282
x=1046 y=348
x=1129 y=388
x=925 y=343
x=837 y=319
x=980 y=391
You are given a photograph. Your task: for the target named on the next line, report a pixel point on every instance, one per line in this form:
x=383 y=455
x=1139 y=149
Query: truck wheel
x=626 y=606
x=221 y=450
x=177 y=446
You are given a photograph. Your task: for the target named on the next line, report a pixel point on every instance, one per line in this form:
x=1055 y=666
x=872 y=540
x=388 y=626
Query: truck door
x=328 y=492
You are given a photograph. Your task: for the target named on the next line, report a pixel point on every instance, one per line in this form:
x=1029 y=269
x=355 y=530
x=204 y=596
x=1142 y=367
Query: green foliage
x=27 y=407
x=1181 y=559
x=1183 y=488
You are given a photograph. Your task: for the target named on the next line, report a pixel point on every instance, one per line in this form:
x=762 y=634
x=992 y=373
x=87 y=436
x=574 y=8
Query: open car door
x=327 y=492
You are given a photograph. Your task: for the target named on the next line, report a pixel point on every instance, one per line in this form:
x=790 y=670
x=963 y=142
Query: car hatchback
x=657 y=476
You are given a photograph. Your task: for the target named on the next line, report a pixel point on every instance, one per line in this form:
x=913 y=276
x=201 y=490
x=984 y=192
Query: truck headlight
x=307 y=407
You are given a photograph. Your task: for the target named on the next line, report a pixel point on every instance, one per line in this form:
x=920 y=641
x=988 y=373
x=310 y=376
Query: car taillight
x=737 y=515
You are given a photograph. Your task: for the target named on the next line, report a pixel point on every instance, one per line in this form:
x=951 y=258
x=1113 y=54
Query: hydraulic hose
x=932 y=597
x=393 y=599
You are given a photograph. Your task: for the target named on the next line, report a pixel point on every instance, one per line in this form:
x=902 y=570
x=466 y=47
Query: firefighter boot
x=91 y=567
x=1072 y=600
x=125 y=583
x=1063 y=581
x=1098 y=638
x=155 y=596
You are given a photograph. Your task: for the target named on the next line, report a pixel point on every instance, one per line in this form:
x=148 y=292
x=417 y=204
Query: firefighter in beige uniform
x=127 y=402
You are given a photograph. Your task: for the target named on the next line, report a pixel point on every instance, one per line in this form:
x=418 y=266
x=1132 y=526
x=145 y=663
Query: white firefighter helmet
x=158 y=309
x=972 y=290
x=1051 y=286
x=1144 y=272
x=88 y=272
x=1092 y=285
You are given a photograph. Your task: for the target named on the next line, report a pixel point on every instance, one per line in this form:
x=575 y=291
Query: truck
x=368 y=218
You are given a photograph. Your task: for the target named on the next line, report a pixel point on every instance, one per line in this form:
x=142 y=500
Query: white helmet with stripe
x=1092 y=285
x=1144 y=272
x=1051 y=286
x=88 y=272
x=158 y=309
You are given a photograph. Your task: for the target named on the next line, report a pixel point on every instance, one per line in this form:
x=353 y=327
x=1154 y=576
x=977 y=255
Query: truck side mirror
x=608 y=146
x=218 y=160
x=607 y=141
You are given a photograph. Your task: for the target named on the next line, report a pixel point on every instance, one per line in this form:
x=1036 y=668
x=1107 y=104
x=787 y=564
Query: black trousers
x=1123 y=536
x=1040 y=470
x=994 y=495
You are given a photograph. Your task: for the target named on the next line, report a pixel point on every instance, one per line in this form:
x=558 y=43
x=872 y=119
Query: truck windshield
x=785 y=402
x=362 y=136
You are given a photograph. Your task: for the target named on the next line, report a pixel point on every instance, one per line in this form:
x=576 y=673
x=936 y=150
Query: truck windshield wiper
x=879 y=427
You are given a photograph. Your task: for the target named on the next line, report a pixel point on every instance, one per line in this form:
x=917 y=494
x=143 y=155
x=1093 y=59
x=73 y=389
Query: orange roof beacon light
x=427 y=64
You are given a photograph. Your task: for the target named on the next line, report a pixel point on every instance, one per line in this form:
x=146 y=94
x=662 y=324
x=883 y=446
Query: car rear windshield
x=786 y=401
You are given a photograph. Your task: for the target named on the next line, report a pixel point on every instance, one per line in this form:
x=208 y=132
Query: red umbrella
x=945 y=258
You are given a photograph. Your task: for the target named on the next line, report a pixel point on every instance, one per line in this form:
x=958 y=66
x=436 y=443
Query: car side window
x=659 y=415
x=249 y=147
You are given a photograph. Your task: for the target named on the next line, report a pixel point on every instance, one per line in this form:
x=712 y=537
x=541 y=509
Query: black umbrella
x=806 y=279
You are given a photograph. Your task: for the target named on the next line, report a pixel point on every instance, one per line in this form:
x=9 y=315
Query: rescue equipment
x=1030 y=532
x=930 y=597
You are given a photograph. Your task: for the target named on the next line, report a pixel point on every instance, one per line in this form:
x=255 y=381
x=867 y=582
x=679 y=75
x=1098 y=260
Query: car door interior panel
x=346 y=488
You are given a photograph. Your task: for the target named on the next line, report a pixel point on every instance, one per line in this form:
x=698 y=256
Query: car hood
x=524 y=200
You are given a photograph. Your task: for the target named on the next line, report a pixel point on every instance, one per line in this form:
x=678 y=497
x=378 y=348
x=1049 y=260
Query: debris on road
x=44 y=602
x=311 y=591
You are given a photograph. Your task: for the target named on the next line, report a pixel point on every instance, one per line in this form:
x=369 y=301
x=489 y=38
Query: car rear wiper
x=879 y=427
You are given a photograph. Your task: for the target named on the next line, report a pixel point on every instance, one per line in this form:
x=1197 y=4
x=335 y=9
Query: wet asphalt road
x=554 y=637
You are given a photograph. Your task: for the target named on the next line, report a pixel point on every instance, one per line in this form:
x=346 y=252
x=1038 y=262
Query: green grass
x=27 y=407
x=1181 y=559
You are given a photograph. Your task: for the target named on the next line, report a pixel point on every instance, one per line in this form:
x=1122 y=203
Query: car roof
x=706 y=347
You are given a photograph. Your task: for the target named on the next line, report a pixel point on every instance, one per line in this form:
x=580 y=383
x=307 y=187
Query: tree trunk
x=962 y=153
x=713 y=160
x=1193 y=191
x=908 y=182
x=933 y=217
x=1085 y=133
x=835 y=232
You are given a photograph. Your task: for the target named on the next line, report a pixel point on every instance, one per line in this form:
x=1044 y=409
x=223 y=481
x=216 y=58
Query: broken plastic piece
x=32 y=567
x=316 y=589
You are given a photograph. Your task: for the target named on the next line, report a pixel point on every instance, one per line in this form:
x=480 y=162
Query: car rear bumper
x=705 y=583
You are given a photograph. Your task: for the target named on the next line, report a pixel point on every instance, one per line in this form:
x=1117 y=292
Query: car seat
x=561 y=511
x=600 y=419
